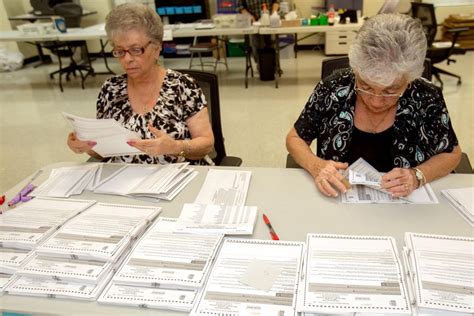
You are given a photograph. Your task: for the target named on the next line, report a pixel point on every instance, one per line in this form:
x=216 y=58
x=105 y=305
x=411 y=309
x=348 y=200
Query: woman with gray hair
x=379 y=109
x=165 y=107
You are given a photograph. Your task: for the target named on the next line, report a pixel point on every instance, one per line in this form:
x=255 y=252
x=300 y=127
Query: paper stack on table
x=441 y=270
x=164 y=269
x=111 y=137
x=365 y=187
x=79 y=259
x=220 y=205
x=220 y=219
x=67 y=181
x=253 y=277
x=24 y=227
x=152 y=182
x=463 y=201
x=28 y=224
x=352 y=275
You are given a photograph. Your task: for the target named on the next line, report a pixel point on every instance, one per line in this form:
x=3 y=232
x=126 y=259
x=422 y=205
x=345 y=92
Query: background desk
x=333 y=33
x=295 y=207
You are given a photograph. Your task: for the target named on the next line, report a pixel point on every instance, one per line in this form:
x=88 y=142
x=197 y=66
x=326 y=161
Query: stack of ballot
x=463 y=201
x=365 y=183
x=164 y=269
x=219 y=219
x=440 y=270
x=79 y=259
x=220 y=206
x=356 y=275
x=252 y=277
x=67 y=181
x=24 y=227
x=149 y=182
x=110 y=136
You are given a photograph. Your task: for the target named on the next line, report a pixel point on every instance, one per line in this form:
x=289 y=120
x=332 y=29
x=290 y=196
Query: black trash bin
x=267 y=61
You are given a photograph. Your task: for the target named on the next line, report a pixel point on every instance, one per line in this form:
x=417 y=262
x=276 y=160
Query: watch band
x=420 y=176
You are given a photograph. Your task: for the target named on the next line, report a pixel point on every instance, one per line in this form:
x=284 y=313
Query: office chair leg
x=439 y=79
x=439 y=70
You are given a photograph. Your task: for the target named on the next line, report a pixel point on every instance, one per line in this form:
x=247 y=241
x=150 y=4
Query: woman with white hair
x=379 y=109
x=165 y=107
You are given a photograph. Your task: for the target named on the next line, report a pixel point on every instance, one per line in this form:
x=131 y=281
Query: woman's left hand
x=399 y=182
x=160 y=145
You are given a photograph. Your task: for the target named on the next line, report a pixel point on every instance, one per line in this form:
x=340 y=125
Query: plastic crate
x=236 y=48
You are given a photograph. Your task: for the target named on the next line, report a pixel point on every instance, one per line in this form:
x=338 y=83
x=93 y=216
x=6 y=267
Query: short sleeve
x=191 y=97
x=309 y=120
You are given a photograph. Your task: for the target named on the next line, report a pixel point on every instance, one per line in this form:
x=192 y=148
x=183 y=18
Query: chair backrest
x=71 y=12
x=330 y=65
x=210 y=87
x=425 y=12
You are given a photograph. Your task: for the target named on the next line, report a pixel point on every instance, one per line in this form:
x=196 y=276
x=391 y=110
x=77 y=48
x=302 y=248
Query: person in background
x=254 y=9
x=167 y=108
x=379 y=109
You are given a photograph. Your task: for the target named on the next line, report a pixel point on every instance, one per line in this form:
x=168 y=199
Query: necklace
x=375 y=126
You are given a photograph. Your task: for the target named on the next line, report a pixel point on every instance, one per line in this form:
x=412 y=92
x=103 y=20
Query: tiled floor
x=255 y=120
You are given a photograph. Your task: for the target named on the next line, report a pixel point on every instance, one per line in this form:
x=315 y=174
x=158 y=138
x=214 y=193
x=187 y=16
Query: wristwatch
x=420 y=176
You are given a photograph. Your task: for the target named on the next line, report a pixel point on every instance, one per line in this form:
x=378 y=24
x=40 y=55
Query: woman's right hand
x=80 y=146
x=328 y=179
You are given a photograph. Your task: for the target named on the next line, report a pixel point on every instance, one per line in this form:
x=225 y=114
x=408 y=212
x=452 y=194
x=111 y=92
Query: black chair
x=425 y=12
x=210 y=86
x=72 y=14
x=332 y=64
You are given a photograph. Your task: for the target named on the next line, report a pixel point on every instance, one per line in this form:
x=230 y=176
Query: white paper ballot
x=462 y=200
x=147 y=297
x=66 y=181
x=102 y=232
x=364 y=194
x=26 y=225
x=442 y=270
x=5 y=280
x=226 y=291
x=224 y=187
x=56 y=289
x=111 y=137
x=65 y=269
x=365 y=181
x=11 y=259
x=165 y=259
x=156 y=182
x=229 y=220
x=352 y=274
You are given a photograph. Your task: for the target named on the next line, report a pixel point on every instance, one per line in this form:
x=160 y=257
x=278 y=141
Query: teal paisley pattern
x=422 y=127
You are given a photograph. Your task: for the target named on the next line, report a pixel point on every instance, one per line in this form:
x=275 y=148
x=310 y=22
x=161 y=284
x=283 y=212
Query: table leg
x=104 y=56
x=44 y=59
x=248 y=59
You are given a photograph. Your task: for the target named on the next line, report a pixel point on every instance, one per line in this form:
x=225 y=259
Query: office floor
x=255 y=120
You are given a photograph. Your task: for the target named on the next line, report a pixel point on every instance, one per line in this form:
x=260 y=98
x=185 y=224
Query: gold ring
x=320 y=181
x=405 y=186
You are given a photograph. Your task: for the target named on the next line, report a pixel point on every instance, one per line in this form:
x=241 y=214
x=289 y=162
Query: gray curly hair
x=387 y=47
x=134 y=16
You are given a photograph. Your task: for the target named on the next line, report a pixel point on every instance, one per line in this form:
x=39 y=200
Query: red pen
x=269 y=225
x=2 y=200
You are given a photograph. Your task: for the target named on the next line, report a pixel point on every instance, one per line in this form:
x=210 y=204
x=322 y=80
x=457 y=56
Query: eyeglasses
x=134 y=51
x=375 y=95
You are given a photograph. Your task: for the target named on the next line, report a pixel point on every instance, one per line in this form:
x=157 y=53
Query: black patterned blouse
x=422 y=128
x=180 y=98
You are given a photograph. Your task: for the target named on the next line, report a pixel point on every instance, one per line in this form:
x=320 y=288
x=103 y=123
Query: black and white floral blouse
x=422 y=128
x=180 y=98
